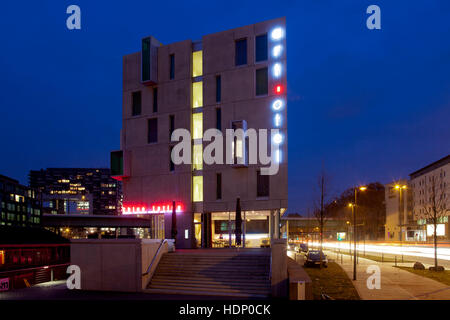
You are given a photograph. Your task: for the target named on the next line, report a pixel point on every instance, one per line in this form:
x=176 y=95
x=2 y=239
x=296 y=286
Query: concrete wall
x=279 y=269
x=113 y=264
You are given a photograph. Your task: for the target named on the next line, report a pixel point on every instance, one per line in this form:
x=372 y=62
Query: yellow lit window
x=197 y=188
x=197 y=157
x=197 y=94
x=197 y=63
x=197 y=125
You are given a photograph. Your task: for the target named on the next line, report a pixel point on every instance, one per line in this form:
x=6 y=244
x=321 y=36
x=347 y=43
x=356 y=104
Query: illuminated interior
x=197 y=63
x=197 y=188
x=197 y=157
x=197 y=126
x=197 y=94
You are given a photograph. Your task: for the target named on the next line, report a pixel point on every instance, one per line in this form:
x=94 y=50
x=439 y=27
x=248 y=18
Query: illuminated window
x=197 y=64
x=197 y=94
x=197 y=157
x=197 y=125
x=197 y=188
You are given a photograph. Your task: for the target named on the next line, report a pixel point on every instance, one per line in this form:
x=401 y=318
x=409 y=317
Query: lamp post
x=401 y=211
x=353 y=206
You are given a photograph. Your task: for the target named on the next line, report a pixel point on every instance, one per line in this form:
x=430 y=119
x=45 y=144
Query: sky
x=364 y=105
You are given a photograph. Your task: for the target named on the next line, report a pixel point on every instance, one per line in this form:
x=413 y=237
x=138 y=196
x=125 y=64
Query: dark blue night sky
x=368 y=105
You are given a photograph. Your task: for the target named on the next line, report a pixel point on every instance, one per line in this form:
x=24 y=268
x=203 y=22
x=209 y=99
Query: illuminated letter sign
x=155 y=208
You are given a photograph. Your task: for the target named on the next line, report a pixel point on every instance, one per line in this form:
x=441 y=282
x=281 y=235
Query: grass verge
x=332 y=281
x=442 y=276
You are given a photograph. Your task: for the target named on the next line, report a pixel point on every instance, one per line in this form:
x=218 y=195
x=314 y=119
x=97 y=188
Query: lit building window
x=197 y=63
x=197 y=94
x=197 y=157
x=197 y=126
x=197 y=188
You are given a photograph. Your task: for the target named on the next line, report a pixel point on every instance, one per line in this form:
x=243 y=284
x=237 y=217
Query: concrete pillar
x=279 y=276
x=270 y=226
x=277 y=224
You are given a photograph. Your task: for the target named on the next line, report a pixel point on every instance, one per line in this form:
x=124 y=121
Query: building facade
x=401 y=224
x=235 y=79
x=20 y=204
x=77 y=191
x=431 y=188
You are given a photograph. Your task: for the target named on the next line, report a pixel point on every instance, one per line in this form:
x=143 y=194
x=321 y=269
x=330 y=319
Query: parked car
x=313 y=257
x=303 y=247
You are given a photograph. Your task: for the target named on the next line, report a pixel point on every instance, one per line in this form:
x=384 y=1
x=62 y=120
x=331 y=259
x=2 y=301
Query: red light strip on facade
x=153 y=209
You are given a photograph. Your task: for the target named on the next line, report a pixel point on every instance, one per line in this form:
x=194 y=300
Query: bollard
x=382 y=257
x=395 y=260
x=402 y=257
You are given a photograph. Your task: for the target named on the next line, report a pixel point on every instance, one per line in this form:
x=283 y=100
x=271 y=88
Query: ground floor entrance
x=218 y=229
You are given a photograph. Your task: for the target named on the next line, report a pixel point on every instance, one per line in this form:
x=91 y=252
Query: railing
x=154 y=257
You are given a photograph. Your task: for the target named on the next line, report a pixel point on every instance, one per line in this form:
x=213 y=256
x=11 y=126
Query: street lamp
x=353 y=206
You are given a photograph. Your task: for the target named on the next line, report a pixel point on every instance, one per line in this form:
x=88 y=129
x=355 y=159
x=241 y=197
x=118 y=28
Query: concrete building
x=77 y=191
x=20 y=204
x=400 y=222
x=297 y=228
x=227 y=80
x=431 y=186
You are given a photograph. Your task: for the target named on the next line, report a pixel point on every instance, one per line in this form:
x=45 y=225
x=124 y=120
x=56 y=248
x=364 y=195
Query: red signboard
x=156 y=208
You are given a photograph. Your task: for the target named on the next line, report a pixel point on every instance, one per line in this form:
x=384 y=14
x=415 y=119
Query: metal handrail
x=154 y=257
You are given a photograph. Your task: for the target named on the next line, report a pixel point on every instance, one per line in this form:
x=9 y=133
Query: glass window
x=261 y=81
x=197 y=125
x=136 y=103
x=197 y=94
x=218 y=186
x=197 y=188
x=218 y=119
x=155 y=99
x=171 y=164
x=197 y=157
x=197 y=63
x=145 y=59
x=152 y=130
x=218 y=89
x=172 y=66
x=172 y=125
x=241 y=52
x=262 y=183
x=261 y=48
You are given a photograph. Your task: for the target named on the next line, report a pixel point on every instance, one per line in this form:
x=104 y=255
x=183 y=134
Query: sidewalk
x=396 y=284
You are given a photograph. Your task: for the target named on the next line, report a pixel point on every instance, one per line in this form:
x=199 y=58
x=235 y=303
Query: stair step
x=204 y=293
x=187 y=288
x=216 y=267
x=217 y=285
x=212 y=273
x=264 y=284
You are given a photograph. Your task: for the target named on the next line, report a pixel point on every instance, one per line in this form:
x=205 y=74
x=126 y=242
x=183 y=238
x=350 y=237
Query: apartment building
x=20 y=204
x=234 y=79
x=77 y=190
x=431 y=188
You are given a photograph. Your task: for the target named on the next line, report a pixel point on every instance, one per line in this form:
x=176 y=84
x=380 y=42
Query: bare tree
x=434 y=205
x=320 y=212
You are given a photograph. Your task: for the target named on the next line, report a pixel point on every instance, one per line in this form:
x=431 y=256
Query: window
x=145 y=72
x=241 y=52
x=218 y=186
x=171 y=164
x=261 y=48
x=197 y=63
x=197 y=125
x=171 y=126
x=262 y=185
x=136 y=103
x=155 y=99
x=261 y=81
x=219 y=119
x=197 y=157
x=218 y=89
x=197 y=188
x=197 y=94
x=152 y=130
x=172 y=67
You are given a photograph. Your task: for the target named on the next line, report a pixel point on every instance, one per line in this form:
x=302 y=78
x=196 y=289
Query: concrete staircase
x=212 y=272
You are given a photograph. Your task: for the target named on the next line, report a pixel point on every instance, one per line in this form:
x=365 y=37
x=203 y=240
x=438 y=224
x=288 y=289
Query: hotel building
x=227 y=80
